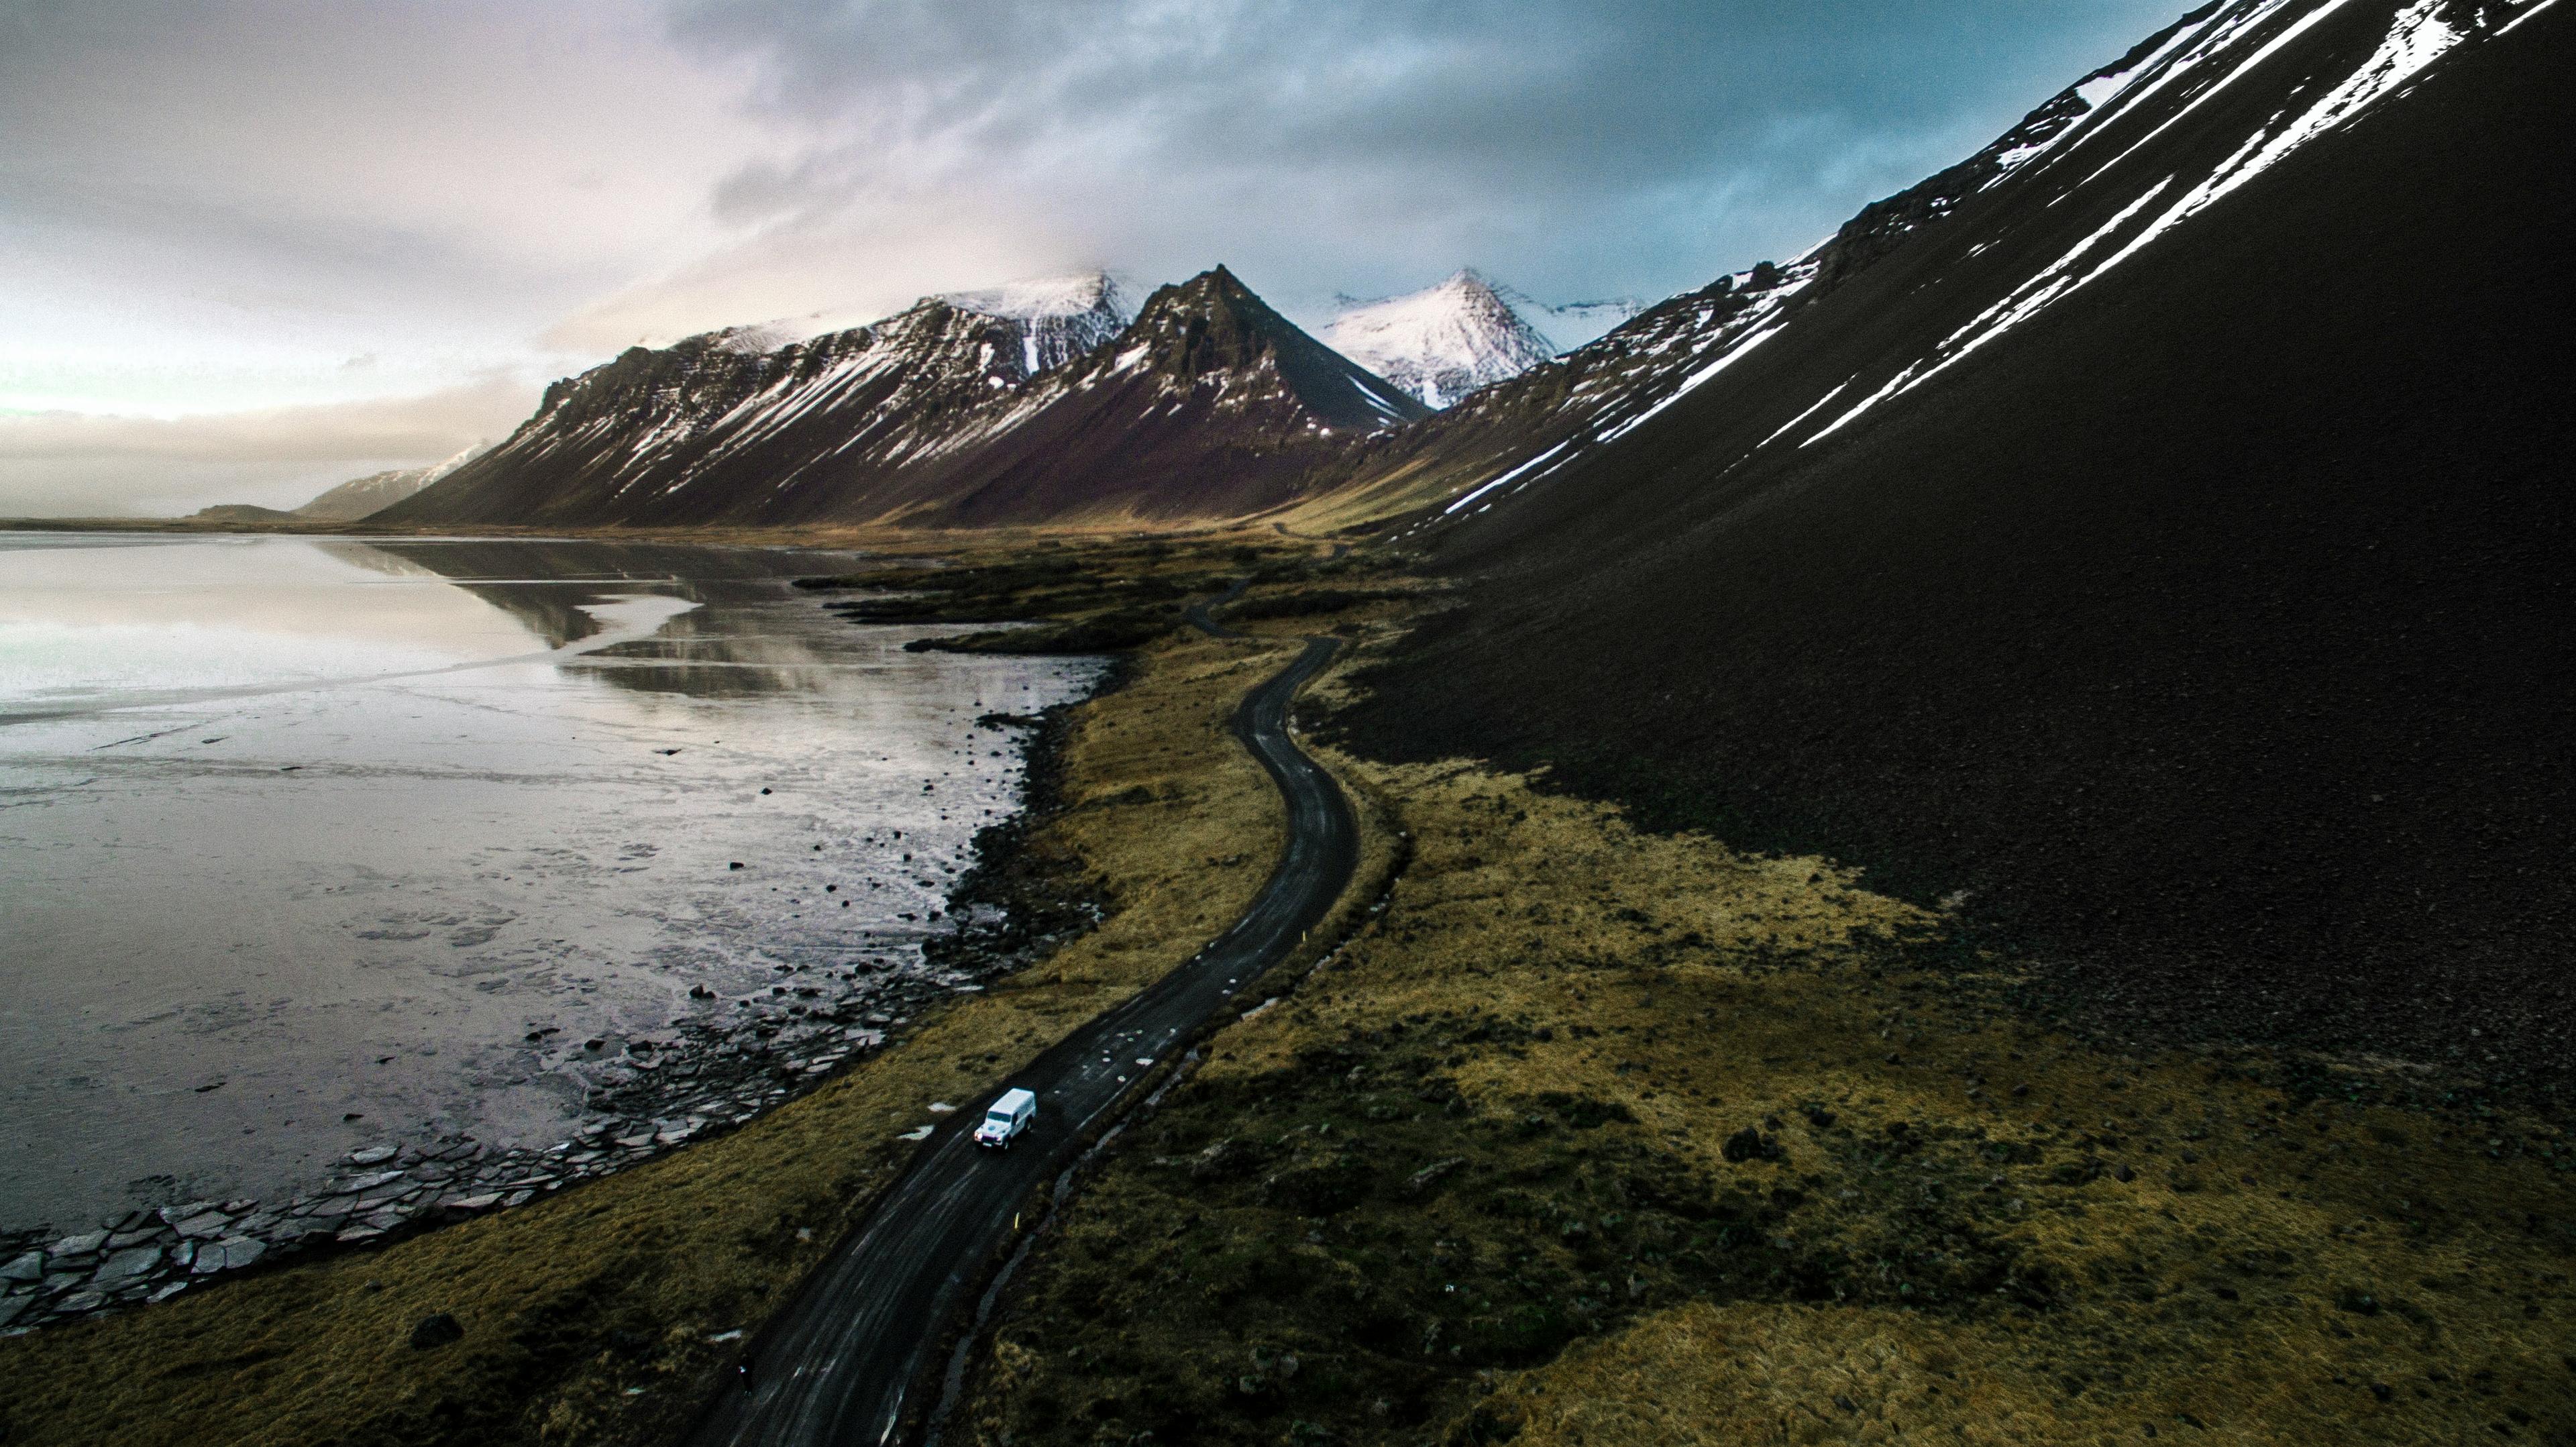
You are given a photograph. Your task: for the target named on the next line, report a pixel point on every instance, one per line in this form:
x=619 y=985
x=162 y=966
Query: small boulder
x=125 y=1267
x=229 y=1254
x=203 y=1227
x=1224 y=1158
x=1750 y=1144
x=1422 y=1181
x=435 y=1330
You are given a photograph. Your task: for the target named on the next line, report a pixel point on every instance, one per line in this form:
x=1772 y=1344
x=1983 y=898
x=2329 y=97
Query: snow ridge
x=1059 y=317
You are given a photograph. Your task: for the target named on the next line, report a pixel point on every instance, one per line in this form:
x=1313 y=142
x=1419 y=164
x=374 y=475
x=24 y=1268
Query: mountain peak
x=1445 y=341
x=1214 y=327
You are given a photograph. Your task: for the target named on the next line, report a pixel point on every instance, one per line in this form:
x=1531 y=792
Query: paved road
x=845 y=1360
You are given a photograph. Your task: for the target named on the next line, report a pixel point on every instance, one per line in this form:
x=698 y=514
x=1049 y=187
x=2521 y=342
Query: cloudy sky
x=255 y=248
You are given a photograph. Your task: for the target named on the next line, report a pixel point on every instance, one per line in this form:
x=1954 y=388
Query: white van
x=1015 y=1112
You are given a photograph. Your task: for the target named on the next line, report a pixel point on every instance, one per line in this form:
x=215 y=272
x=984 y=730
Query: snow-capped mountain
x=361 y=496
x=1442 y=342
x=980 y=406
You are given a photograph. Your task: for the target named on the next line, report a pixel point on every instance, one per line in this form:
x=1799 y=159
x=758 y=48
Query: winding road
x=846 y=1361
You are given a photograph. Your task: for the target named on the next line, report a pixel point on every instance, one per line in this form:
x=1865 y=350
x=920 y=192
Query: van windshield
x=999 y=1117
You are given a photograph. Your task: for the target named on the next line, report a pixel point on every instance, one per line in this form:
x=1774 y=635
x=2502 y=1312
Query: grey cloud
x=1624 y=145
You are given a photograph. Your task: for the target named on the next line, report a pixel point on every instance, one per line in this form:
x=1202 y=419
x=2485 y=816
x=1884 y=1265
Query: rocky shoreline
x=652 y=1092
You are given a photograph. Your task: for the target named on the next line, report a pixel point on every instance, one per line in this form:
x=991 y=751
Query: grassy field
x=591 y=1317
x=1595 y=1136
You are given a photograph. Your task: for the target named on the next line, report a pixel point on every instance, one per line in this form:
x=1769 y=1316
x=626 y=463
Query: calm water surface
x=301 y=839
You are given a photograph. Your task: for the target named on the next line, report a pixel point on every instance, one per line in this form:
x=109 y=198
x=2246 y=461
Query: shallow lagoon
x=301 y=840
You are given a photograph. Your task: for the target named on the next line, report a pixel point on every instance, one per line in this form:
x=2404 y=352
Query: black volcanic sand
x=2212 y=634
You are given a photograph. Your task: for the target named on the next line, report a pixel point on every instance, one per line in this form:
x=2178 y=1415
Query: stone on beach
x=125 y=1267
x=81 y=1245
x=371 y=1155
x=229 y=1254
x=28 y=1267
x=200 y=1228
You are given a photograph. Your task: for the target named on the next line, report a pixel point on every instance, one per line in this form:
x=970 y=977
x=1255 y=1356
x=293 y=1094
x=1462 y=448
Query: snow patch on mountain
x=1059 y=318
x=1049 y=296
x=1576 y=323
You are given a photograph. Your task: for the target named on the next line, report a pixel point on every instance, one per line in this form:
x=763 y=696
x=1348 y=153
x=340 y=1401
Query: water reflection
x=301 y=841
x=550 y=586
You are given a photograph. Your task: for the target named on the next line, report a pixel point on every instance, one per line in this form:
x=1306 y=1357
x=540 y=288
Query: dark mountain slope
x=715 y=428
x=1209 y=404
x=2211 y=629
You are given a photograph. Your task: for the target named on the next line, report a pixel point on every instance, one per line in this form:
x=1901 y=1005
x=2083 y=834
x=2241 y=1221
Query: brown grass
x=587 y=1316
x=1974 y=1230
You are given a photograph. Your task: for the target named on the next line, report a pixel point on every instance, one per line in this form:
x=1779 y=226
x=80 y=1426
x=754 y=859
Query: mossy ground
x=1595 y=1136
x=588 y=1317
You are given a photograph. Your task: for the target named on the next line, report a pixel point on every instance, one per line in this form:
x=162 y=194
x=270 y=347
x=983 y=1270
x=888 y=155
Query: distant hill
x=983 y=407
x=359 y=497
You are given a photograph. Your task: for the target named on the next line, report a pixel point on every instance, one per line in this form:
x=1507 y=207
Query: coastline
x=707 y=1072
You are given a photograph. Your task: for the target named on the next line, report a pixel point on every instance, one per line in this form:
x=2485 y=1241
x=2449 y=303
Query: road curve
x=843 y=1362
